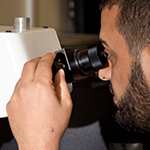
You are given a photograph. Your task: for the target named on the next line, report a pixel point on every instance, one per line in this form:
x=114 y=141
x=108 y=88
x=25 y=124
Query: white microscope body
x=16 y=48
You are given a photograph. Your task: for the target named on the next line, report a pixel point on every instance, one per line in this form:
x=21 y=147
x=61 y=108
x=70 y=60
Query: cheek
x=120 y=77
x=145 y=57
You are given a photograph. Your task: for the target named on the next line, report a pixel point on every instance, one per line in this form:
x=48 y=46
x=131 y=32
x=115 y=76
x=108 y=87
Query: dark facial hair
x=134 y=106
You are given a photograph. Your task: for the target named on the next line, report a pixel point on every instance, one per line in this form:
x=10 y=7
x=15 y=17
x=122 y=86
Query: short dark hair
x=133 y=22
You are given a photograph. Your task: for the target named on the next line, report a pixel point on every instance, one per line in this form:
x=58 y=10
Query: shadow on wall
x=6 y=135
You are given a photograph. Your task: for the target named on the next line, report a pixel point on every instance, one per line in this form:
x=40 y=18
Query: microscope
x=20 y=43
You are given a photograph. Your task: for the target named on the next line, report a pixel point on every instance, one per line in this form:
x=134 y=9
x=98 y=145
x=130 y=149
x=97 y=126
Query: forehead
x=109 y=32
x=108 y=21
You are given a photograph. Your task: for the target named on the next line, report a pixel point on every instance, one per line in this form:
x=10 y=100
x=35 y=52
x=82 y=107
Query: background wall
x=72 y=19
x=9 y=9
x=42 y=12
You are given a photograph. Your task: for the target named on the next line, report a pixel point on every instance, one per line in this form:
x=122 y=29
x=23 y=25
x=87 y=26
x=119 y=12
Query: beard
x=134 y=106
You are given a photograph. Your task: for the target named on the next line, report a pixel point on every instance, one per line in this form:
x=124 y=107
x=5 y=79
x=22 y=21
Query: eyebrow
x=104 y=42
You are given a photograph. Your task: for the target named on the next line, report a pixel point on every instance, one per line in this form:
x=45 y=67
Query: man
x=39 y=112
x=125 y=35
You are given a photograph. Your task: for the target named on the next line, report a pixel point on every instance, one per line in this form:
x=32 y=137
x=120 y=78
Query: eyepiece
x=90 y=59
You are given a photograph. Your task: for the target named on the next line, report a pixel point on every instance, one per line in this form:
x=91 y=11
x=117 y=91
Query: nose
x=105 y=72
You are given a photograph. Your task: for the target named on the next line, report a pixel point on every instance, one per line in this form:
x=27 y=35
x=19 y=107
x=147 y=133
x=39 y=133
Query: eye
x=108 y=55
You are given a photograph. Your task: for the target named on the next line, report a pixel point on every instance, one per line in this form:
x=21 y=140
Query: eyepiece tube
x=80 y=63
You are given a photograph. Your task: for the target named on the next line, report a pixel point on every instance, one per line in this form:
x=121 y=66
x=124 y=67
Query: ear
x=105 y=72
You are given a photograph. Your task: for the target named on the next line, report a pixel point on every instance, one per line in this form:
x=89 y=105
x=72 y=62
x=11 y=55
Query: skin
x=39 y=113
x=119 y=63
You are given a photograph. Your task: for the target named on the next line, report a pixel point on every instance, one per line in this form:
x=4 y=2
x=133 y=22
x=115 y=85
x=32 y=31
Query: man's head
x=125 y=30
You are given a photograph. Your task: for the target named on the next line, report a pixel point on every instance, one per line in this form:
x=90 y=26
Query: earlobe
x=147 y=50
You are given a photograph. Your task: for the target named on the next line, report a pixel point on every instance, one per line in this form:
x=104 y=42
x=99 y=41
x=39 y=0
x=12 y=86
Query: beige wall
x=9 y=9
x=53 y=13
